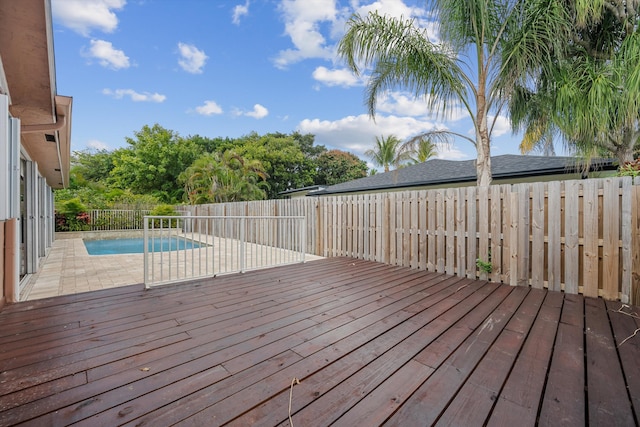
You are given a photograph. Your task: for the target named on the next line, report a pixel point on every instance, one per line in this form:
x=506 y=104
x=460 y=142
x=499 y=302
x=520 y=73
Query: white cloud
x=94 y=144
x=501 y=127
x=135 y=96
x=302 y=24
x=239 y=11
x=84 y=15
x=209 y=108
x=357 y=134
x=309 y=23
x=192 y=59
x=398 y=9
x=107 y=55
x=336 y=77
x=395 y=8
x=405 y=104
x=258 y=112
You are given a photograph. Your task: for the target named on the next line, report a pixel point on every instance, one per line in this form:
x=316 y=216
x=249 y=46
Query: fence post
x=303 y=235
x=242 y=245
x=146 y=251
x=635 y=242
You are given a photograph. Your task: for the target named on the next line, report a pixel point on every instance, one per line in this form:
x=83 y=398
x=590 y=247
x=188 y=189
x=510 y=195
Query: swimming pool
x=136 y=246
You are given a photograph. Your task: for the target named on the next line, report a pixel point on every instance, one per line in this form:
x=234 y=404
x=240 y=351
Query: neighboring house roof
x=28 y=78
x=302 y=189
x=438 y=171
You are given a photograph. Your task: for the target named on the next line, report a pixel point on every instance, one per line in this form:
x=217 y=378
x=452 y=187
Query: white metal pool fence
x=116 y=219
x=206 y=246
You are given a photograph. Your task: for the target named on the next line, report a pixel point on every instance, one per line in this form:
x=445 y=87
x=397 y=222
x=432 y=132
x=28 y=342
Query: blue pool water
x=136 y=246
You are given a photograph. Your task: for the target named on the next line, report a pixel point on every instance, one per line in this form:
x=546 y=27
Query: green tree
x=336 y=166
x=152 y=163
x=388 y=152
x=307 y=145
x=282 y=158
x=589 y=92
x=486 y=47
x=215 y=178
x=93 y=166
x=210 y=145
x=422 y=150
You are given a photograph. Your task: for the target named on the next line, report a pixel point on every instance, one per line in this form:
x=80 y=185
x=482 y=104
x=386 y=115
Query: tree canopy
x=336 y=166
x=589 y=91
x=160 y=166
x=388 y=152
x=227 y=177
x=152 y=163
x=486 y=48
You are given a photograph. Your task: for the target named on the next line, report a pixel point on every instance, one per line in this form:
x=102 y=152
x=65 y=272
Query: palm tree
x=388 y=152
x=422 y=150
x=588 y=93
x=215 y=178
x=486 y=46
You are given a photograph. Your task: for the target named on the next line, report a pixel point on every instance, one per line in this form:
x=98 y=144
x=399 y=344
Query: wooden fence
x=577 y=236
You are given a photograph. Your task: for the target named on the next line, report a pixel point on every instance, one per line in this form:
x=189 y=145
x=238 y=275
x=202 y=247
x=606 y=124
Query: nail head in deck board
x=604 y=378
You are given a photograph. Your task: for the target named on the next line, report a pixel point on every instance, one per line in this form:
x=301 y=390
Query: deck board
x=371 y=344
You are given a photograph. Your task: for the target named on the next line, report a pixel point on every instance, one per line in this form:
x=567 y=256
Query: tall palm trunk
x=483 y=137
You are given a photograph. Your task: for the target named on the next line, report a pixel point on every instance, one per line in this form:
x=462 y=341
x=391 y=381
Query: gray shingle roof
x=438 y=171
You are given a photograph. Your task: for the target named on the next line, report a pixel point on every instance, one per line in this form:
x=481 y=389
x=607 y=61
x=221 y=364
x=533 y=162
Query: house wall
x=2 y=275
x=26 y=209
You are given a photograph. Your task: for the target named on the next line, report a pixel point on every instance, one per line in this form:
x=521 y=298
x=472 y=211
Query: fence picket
x=461 y=231
x=590 y=240
x=472 y=240
x=626 y=231
x=610 y=238
x=440 y=237
x=450 y=231
x=571 y=249
x=537 y=235
x=483 y=229
x=431 y=240
x=553 y=232
x=496 y=232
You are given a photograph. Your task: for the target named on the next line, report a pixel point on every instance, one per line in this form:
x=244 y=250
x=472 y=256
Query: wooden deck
x=371 y=345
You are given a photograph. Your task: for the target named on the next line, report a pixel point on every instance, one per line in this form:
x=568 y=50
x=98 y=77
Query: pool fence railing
x=183 y=248
x=116 y=219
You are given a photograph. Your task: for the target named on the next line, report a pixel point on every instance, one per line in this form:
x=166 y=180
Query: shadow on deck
x=371 y=345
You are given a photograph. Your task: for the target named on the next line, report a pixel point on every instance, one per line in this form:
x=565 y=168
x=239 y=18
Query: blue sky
x=227 y=68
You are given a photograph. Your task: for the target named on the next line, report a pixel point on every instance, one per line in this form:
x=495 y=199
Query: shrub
x=164 y=210
x=631 y=168
x=73 y=216
x=72 y=207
